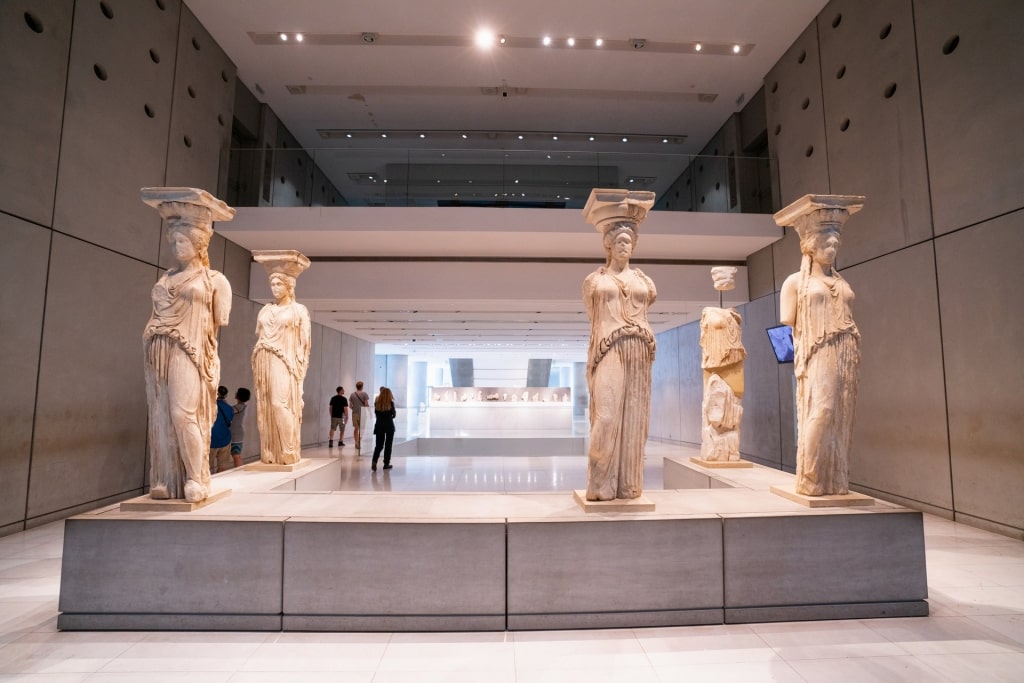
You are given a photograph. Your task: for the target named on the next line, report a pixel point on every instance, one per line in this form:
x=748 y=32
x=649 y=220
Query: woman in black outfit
x=384 y=427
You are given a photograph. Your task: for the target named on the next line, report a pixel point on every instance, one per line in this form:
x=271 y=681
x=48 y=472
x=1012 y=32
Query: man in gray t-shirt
x=358 y=400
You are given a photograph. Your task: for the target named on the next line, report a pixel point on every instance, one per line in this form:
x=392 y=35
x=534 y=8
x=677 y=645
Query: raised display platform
x=722 y=552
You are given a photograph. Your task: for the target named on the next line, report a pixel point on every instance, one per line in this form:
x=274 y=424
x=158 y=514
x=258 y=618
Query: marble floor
x=975 y=631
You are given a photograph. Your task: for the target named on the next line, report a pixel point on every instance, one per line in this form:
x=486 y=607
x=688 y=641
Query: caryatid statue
x=280 y=359
x=190 y=302
x=817 y=302
x=722 y=356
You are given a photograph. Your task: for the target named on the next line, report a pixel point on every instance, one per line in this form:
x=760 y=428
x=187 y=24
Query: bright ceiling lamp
x=484 y=39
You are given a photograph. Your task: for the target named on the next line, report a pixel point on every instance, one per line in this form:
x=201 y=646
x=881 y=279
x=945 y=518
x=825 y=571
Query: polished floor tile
x=975 y=631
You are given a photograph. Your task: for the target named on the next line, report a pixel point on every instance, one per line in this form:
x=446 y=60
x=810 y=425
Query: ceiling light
x=383 y=135
x=735 y=49
x=299 y=37
x=423 y=135
x=639 y=43
x=369 y=37
x=625 y=139
x=546 y=40
x=502 y=40
x=698 y=47
x=591 y=138
x=520 y=137
x=348 y=135
x=571 y=42
x=664 y=140
x=554 y=137
x=465 y=137
x=284 y=36
x=599 y=42
x=484 y=39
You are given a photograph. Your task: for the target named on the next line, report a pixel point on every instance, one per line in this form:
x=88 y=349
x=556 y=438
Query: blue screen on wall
x=781 y=337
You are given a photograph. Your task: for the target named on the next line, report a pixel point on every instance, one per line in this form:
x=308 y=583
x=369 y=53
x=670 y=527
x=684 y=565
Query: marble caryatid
x=280 y=359
x=190 y=302
x=817 y=302
x=722 y=356
x=621 y=350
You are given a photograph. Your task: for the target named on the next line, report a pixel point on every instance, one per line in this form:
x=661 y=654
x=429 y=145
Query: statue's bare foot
x=159 y=493
x=194 y=491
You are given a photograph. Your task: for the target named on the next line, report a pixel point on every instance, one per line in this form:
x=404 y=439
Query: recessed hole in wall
x=332 y=200
x=191 y=92
x=224 y=76
x=775 y=86
x=718 y=186
x=884 y=33
x=677 y=195
x=890 y=90
x=806 y=103
x=687 y=182
x=33 y=22
x=195 y=43
x=107 y=12
x=802 y=57
x=282 y=180
x=778 y=129
x=160 y=5
x=841 y=72
x=284 y=145
x=700 y=169
x=838 y=20
x=220 y=119
x=323 y=189
x=809 y=151
x=299 y=162
x=702 y=200
x=149 y=111
x=297 y=193
x=100 y=72
x=715 y=153
x=950 y=45
x=155 y=56
x=844 y=124
x=188 y=141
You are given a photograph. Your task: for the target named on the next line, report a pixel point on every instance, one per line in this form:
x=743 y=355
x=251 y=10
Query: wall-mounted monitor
x=781 y=337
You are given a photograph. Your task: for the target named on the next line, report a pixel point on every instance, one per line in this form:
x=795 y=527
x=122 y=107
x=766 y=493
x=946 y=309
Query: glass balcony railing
x=492 y=178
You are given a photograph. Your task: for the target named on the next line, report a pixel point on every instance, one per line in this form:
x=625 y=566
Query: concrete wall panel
x=873 y=124
x=90 y=436
x=691 y=383
x=899 y=435
x=200 y=131
x=116 y=120
x=35 y=38
x=237 y=264
x=665 y=388
x=312 y=391
x=759 y=429
x=760 y=274
x=796 y=129
x=971 y=70
x=980 y=282
x=23 y=265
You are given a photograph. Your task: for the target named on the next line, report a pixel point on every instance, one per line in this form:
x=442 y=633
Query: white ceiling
x=422 y=73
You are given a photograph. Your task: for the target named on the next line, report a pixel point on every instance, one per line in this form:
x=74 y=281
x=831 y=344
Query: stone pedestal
x=147 y=504
x=721 y=463
x=837 y=500
x=275 y=467
x=641 y=504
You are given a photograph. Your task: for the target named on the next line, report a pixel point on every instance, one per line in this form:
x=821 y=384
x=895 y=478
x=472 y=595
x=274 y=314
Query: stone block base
x=641 y=504
x=842 y=500
x=147 y=504
x=721 y=463
x=274 y=467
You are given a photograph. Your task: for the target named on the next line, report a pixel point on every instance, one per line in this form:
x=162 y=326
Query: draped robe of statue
x=182 y=373
x=826 y=362
x=619 y=364
x=721 y=342
x=279 y=363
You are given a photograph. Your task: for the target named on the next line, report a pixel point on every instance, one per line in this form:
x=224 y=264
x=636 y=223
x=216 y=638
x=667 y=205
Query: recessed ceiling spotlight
x=383 y=135
x=546 y=40
x=299 y=37
x=554 y=137
x=571 y=42
x=517 y=181
x=465 y=137
x=599 y=42
x=664 y=141
x=625 y=139
x=735 y=49
x=591 y=138
x=502 y=40
x=423 y=135
x=484 y=39
x=284 y=36
x=348 y=135
x=520 y=137
x=698 y=47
